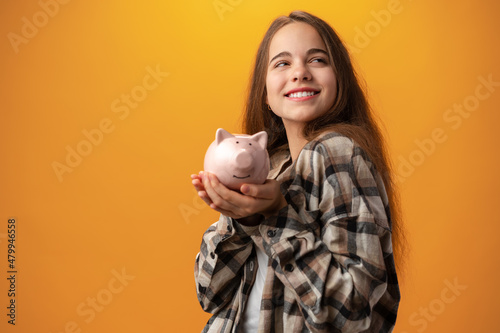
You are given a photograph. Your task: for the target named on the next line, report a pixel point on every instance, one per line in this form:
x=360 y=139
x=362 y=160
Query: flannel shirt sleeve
x=332 y=244
x=225 y=247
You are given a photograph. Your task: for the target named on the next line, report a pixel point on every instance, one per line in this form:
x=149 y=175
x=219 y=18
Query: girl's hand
x=265 y=199
x=197 y=181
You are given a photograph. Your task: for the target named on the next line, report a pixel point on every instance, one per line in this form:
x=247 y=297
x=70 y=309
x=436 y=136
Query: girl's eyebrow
x=288 y=54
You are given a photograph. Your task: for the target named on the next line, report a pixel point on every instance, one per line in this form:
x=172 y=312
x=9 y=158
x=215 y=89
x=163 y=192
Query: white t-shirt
x=251 y=313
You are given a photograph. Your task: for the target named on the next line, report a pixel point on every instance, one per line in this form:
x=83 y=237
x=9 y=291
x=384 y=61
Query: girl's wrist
x=281 y=203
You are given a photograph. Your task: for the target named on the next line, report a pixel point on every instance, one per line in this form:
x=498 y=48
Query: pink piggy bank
x=238 y=159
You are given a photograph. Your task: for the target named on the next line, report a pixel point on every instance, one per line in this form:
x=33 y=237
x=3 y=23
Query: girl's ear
x=261 y=138
x=221 y=135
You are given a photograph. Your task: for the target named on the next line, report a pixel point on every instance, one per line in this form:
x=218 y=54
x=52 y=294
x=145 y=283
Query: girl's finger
x=268 y=190
x=203 y=196
x=225 y=212
x=198 y=185
x=220 y=195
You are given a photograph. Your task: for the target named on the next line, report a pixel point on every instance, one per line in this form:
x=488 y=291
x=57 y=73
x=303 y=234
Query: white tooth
x=301 y=94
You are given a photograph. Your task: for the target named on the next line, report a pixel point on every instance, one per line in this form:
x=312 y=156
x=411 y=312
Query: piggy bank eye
x=237 y=142
x=249 y=143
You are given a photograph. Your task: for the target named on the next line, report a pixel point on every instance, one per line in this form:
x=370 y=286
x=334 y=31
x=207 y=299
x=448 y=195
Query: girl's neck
x=296 y=141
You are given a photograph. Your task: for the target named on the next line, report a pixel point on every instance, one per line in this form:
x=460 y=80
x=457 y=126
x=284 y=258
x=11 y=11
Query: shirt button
x=212 y=255
x=229 y=228
x=251 y=265
x=271 y=233
x=289 y=267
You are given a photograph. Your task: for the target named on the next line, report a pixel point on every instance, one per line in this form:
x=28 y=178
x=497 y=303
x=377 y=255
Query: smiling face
x=301 y=83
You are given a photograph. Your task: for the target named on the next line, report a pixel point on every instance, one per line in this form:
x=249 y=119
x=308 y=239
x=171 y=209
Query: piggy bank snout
x=243 y=160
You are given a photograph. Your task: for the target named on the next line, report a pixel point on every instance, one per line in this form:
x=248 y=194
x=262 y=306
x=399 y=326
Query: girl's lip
x=300 y=99
x=306 y=89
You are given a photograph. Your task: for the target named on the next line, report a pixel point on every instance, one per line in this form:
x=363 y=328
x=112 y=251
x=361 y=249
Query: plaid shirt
x=331 y=266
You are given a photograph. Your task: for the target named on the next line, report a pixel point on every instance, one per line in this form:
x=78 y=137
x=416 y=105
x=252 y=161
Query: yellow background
x=129 y=207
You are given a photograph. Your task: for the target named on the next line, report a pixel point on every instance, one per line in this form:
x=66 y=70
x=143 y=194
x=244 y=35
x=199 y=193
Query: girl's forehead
x=295 y=36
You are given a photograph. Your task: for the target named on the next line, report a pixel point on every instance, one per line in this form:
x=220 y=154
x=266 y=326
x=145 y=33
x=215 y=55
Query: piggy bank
x=238 y=159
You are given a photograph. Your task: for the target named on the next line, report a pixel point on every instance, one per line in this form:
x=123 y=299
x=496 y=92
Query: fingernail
x=245 y=188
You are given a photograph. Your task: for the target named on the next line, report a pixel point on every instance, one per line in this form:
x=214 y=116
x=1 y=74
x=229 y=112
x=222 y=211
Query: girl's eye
x=281 y=64
x=319 y=60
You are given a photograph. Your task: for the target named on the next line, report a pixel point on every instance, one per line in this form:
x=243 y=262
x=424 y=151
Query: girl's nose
x=301 y=73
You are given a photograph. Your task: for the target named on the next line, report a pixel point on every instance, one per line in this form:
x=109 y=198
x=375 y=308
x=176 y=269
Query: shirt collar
x=278 y=161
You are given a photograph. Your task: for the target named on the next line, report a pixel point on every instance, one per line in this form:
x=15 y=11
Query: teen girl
x=310 y=250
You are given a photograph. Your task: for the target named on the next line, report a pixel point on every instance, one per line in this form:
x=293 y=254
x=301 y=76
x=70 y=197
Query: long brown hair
x=350 y=115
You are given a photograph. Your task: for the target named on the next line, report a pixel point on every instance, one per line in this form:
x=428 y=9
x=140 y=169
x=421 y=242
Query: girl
x=310 y=250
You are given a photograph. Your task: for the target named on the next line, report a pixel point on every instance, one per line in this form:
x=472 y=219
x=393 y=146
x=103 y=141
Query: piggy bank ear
x=221 y=135
x=261 y=138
